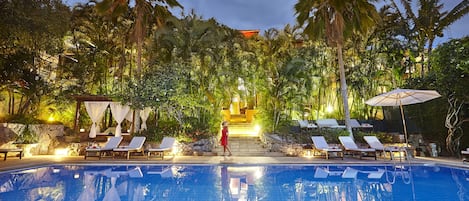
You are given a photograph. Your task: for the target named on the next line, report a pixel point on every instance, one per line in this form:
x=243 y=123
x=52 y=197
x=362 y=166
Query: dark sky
x=265 y=14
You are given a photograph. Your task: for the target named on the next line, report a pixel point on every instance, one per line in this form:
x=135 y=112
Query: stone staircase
x=244 y=146
x=244 y=139
x=242 y=129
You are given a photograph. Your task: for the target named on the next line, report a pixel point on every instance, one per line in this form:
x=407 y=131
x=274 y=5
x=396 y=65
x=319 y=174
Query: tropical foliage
x=337 y=21
x=187 y=69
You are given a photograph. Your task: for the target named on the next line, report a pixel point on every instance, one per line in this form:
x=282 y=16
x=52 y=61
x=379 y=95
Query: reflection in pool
x=236 y=182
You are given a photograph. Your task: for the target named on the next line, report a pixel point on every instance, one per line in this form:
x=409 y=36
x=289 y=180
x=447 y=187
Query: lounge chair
x=304 y=124
x=329 y=123
x=111 y=144
x=465 y=153
x=355 y=124
x=351 y=147
x=135 y=145
x=5 y=151
x=374 y=143
x=321 y=145
x=166 y=145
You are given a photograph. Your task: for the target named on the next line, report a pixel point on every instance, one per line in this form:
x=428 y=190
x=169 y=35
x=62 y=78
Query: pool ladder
x=400 y=166
x=400 y=150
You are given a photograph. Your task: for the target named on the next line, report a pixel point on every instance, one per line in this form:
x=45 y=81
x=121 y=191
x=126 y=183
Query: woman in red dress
x=224 y=138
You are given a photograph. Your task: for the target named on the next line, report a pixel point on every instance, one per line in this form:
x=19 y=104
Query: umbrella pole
x=404 y=124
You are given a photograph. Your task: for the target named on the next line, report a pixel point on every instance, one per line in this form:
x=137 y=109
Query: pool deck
x=13 y=163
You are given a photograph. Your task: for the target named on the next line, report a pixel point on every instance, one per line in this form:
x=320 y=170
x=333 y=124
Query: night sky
x=265 y=14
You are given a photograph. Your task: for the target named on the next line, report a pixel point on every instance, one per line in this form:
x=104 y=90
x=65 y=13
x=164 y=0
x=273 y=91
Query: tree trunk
x=429 y=53
x=343 y=89
x=11 y=102
x=139 y=58
x=453 y=123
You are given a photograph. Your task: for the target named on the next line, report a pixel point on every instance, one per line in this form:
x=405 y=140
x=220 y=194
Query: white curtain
x=144 y=115
x=119 y=112
x=130 y=115
x=95 y=110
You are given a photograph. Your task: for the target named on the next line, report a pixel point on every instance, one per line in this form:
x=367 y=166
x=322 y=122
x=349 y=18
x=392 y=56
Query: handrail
x=403 y=149
x=399 y=167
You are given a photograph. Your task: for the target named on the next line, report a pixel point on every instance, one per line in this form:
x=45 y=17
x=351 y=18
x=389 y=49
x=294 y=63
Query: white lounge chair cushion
x=374 y=142
x=135 y=144
x=355 y=124
x=166 y=144
x=321 y=144
x=349 y=144
x=328 y=123
x=465 y=152
x=112 y=143
x=306 y=124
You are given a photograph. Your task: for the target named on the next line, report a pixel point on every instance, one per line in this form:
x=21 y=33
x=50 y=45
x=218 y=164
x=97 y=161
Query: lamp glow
x=61 y=152
x=257 y=128
x=329 y=109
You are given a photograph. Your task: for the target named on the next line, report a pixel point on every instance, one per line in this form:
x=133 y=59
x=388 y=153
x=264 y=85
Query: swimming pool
x=236 y=182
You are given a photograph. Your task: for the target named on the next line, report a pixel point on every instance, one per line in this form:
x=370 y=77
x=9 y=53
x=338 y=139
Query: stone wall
x=48 y=136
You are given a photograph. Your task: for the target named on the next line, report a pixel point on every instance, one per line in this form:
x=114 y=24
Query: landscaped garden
x=186 y=70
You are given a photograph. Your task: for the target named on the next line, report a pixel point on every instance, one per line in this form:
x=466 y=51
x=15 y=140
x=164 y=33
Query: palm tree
x=431 y=22
x=97 y=44
x=287 y=77
x=146 y=12
x=336 y=20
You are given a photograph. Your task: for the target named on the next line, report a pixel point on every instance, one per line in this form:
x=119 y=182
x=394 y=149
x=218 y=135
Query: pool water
x=236 y=182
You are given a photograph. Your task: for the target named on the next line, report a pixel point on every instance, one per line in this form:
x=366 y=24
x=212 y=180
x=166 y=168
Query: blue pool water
x=235 y=182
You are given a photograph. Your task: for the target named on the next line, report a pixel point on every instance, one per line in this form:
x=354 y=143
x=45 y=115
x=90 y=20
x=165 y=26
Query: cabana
x=96 y=107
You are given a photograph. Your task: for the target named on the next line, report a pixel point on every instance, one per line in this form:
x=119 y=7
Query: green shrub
x=23 y=119
x=164 y=128
x=383 y=137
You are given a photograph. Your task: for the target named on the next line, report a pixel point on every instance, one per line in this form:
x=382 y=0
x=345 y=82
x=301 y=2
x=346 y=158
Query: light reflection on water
x=235 y=182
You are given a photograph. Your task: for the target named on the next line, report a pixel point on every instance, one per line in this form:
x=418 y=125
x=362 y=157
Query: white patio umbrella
x=400 y=97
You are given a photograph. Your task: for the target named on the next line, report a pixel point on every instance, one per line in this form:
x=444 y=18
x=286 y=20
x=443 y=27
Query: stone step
x=245 y=146
x=242 y=130
x=238 y=118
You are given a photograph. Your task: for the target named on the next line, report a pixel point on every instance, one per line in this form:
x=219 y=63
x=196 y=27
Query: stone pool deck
x=15 y=163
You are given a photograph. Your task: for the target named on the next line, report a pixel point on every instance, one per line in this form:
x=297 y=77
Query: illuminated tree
x=336 y=20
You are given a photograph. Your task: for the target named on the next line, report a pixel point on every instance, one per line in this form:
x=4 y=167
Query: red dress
x=224 y=136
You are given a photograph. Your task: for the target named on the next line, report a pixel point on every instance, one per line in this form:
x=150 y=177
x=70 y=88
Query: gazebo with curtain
x=96 y=107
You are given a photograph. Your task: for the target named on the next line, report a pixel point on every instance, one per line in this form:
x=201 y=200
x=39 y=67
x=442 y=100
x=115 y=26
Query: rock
x=6 y=135
x=198 y=148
